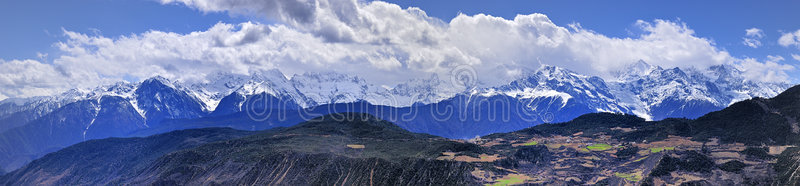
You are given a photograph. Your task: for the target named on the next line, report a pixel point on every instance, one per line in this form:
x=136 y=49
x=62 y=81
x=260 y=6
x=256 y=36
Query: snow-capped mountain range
x=642 y=89
x=31 y=127
x=551 y=81
x=656 y=93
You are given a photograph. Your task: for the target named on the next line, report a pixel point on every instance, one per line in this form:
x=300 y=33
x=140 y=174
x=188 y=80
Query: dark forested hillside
x=355 y=149
x=755 y=122
x=109 y=160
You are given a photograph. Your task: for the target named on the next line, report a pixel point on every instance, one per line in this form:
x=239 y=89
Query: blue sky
x=37 y=24
x=101 y=41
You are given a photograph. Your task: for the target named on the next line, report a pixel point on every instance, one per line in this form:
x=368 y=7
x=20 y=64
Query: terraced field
x=596 y=157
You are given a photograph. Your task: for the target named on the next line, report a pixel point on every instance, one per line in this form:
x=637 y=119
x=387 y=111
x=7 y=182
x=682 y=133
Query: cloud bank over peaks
x=378 y=41
x=28 y=77
x=768 y=71
x=505 y=46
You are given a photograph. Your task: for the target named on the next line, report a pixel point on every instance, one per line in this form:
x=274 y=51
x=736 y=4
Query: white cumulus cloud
x=770 y=70
x=30 y=78
x=752 y=37
x=790 y=39
x=378 y=41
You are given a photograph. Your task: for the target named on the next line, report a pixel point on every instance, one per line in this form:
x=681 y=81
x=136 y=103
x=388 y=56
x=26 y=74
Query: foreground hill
x=353 y=149
x=108 y=160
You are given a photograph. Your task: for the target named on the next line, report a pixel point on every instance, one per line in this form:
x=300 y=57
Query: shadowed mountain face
x=106 y=112
x=335 y=149
x=787 y=106
x=767 y=121
x=160 y=99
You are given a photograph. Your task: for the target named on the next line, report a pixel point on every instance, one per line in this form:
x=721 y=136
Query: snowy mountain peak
x=223 y=81
x=327 y=77
x=416 y=85
x=637 y=70
x=424 y=90
x=158 y=81
x=643 y=68
x=332 y=87
x=554 y=72
x=725 y=73
x=556 y=82
x=550 y=77
x=272 y=74
x=673 y=73
x=690 y=92
x=221 y=84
